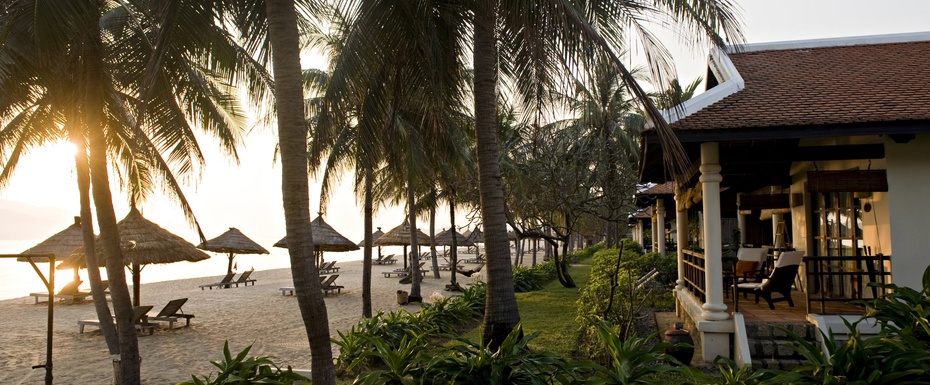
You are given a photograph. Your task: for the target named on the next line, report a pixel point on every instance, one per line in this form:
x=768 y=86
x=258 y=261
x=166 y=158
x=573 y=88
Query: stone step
x=777 y=349
x=776 y=364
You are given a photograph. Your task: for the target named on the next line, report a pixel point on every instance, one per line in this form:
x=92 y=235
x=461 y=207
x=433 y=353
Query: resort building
x=813 y=156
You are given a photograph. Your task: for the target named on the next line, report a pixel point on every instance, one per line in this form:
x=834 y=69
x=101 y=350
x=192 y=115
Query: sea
x=18 y=279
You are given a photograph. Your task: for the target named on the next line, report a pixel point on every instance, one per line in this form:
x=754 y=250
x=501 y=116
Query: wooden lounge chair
x=225 y=283
x=388 y=260
x=780 y=281
x=477 y=259
x=329 y=268
x=289 y=290
x=448 y=265
x=68 y=294
x=172 y=313
x=403 y=272
x=244 y=279
x=329 y=285
x=138 y=319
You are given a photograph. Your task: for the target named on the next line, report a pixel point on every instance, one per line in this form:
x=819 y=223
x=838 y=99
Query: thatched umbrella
x=400 y=236
x=232 y=242
x=444 y=238
x=325 y=238
x=143 y=243
x=475 y=236
x=62 y=245
x=374 y=237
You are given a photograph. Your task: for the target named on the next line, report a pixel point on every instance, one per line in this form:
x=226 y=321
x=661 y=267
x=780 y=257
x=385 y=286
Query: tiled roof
x=667 y=188
x=827 y=85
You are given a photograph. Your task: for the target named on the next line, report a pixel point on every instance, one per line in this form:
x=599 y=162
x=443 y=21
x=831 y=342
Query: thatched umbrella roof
x=374 y=237
x=146 y=243
x=233 y=241
x=62 y=244
x=474 y=235
x=400 y=236
x=325 y=238
x=444 y=238
x=143 y=243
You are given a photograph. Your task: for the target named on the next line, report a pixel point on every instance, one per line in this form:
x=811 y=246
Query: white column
x=655 y=235
x=741 y=223
x=660 y=225
x=714 y=308
x=776 y=219
x=681 y=221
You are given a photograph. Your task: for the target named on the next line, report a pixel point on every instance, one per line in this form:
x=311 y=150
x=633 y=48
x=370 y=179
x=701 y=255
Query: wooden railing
x=694 y=274
x=844 y=279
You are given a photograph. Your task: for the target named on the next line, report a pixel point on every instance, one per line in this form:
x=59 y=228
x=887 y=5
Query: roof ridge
x=908 y=37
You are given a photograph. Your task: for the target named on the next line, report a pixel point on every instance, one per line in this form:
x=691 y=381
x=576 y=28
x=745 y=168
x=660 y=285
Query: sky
x=41 y=198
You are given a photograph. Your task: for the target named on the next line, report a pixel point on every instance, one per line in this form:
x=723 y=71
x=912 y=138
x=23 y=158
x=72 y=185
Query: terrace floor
x=753 y=312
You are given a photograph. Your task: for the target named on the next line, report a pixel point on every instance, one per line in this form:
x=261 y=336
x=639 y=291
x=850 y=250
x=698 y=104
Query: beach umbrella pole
x=229 y=268
x=136 y=279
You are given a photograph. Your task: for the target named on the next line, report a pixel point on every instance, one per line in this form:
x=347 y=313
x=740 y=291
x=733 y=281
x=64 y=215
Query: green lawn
x=551 y=312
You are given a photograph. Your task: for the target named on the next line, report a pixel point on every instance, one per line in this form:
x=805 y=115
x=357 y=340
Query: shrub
x=242 y=370
x=401 y=328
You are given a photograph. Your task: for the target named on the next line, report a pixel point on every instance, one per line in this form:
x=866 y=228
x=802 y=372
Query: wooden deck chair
x=138 y=319
x=172 y=313
x=244 y=279
x=329 y=267
x=330 y=285
x=779 y=281
x=68 y=293
x=225 y=282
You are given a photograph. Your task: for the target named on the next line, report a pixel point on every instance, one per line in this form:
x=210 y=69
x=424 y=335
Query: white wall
x=909 y=211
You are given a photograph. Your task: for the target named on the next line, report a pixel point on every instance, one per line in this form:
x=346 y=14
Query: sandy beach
x=256 y=315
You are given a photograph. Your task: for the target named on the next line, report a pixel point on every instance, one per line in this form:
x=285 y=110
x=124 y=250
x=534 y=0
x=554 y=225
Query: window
x=837 y=224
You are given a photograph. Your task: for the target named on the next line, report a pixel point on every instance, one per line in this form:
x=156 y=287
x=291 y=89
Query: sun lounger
x=289 y=290
x=448 y=265
x=329 y=285
x=244 y=279
x=477 y=259
x=172 y=313
x=138 y=319
x=69 y=293
x=225 y=283
x=389 y=260
x=329 y=268
x=403 y=272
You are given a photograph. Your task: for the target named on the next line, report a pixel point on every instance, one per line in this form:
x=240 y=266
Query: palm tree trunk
x=501 y=314
x=366 y=267
x=103 y=201
x=432 y=238
x=455 y=243
x=90 y=254
x=415 y=276
x=292 y=139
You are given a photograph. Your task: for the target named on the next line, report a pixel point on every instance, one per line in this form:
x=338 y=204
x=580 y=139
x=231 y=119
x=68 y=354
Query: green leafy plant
x=632 y=361
x=403 y=363
x=242 y=370
x=513 y=363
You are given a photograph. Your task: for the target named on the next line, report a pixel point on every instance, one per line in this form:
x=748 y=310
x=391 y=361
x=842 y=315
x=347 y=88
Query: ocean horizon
x=19 y=278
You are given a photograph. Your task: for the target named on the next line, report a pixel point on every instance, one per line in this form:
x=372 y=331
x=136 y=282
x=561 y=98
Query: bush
x=242 y=370
x=401 y=328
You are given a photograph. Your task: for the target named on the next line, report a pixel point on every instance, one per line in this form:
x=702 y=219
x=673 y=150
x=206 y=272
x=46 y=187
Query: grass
x=551 y=311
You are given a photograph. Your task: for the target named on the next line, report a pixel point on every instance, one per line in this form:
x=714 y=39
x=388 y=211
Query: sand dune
x=255 y=315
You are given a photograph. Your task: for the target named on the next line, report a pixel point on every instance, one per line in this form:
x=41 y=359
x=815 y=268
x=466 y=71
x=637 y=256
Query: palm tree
x=96 y=89
x=533 y=44
x=292 y=139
